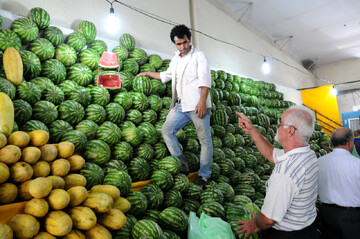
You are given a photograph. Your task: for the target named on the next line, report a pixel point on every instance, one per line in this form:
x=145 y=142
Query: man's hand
x=155 y=75
x=200 y=109
x=245 y=123
x=248 y=226
x=142 y=74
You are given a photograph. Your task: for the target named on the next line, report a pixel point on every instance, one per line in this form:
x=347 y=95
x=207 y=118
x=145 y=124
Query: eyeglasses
x=279 y=124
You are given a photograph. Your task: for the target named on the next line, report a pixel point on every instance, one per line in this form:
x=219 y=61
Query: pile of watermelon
x=118 y=131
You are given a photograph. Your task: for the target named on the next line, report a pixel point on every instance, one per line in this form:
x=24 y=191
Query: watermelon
x=160 y=150
x=155 y=102
x=99 y=95
x=81 y=95
x=149 y=132
x=227 y=191
x=138 y=203
x=211 y=195
x=115 y=113
x=139 y=55
x=25 y=29
x=122 y=151
x=127 y=80
x=139 y=101
x=125 y=231
x=215 y=171
x=7 y=87
x=154 y=195
x=147 y=67
x=127 y=41
x=43 y=83
x=171 y=164
x=40 y=17
x=172 y=198
x=76 y=137
x=66 y=54
x=99 y=46
x=158 y=87
x=54 y=35
x=109 y=132
x=146 y=229
x=132 y=135
x=32 y=125
x=131 y=66
x=45 y=112
x=95 y=113
x=193 y=191
x=67 y=87
x=212 y=209
x=9 y=38
x=152 y=215
x=54 y=95
x=31 y=64
x=22 y=111
x=88 y=29
x=174 y=219
x=43 y=48
x=57 y=129
x=134 y=116
x=155 y=60
x=29 y=92
x=181 y=182
x=119 y=179
x=144 y=151
x=122 y=52
x=71 y=111
x=124 y=99
x=220 y=118
x=235 y=212
x=54 y=70
x=150 y=116
x=246 y=190
x=97 y=151
x=115 y=165
x=142 y=84
x=162 y=178
x=93 y=173
x=139 y=169
x=76 y=40
x=89 y=57
x=88 y=127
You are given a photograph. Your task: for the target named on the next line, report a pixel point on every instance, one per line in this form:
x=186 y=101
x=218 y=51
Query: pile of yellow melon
x=45 y=176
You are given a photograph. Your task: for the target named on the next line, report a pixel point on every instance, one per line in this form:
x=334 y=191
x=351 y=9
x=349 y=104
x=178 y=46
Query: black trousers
x=309 y=232
x=339 y=222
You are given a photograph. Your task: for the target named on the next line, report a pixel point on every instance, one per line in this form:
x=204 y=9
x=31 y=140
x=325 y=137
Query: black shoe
x=184 y=169
x=201 y=181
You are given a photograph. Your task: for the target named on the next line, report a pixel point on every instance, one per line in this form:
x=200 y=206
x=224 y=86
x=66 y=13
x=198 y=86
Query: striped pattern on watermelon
x=9 y=38
x=119 y=179
x=162 y=178
x=122 y=52
x=66 y=54
x=93 y=173
x=29 y=92
x=76 y=137
x=57 y=129
x=154 y=195
x=7 y=87
x=146 y=229
x=109 y=132
x=88 y=29
x=54 y=70
x=45 y=111
x=76 y=40
x=127 y=41
x=40 y=17
x=89 y=57
x=122 y=151
x=71 y=111
x=99 y=95
x=88 y=127
x=213 y=209
x=22 y=111
x=32 y=125
x=174 y=219
x=25 y=28
x=142 y=84
x=139 y=169
x=115 y=113
x=54 y=35
x=97 y=151
x=43 y=48
x=31 y=63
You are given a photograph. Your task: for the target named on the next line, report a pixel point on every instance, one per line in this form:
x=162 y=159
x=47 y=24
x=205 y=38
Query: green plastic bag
x=208 y=227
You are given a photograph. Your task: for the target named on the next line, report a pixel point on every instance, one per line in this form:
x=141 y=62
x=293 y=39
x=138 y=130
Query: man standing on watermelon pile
x=289 y=207
x=339 y=188
x=191 y=82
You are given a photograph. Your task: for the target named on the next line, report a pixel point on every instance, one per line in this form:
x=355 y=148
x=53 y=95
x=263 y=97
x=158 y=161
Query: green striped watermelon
x=89 y=57
x=131 y=66
x=127 y=79
x=146 y=229
x=160 y=150
x=155 y=102
x=212 y=195
x=138 y=203
x=236 y=211
x=227 y=191
x=7 y=87
x=125 y=231
x=154 y=195
x=122 y=151
x=95 y=113
x=171 y=164
x=43 y=83
x=155 y=60
x=93 y=173
x=115 y=113
x=66 y=54
x=149 y=132
x=139 y=169
x=29 y=92
x=76 y=137
x=145 y=151
x=122 y=52
x=124 y=99
x=54 y=70
x=150 y=116
x=172 y=198
x=32 y=125
x=115 y=165
x=88 y=29
x=54 y=35
x=158 y=87
x=213 y=209
x=67 y=87
x=88 y=127
x=142 y=84
x=99 y=95
x=57 y=129
x=127 y=41
x=22 y=111
x=139 y=55
x=31 y=64
x=43 y=48
x=147 y=67
x=99 y=46
x=97 y=151
x=76 y=40
x=71 y=111
x=109 y=132
x=132 y=135
x=45 y=111
x=81 y=95
x=134 y=116
x=25 y=29
x=40 y=17
x=174 y=219
x=162 y=178
x=9 y=38
x=190 y=205
x=119 y=179
x=193 y=191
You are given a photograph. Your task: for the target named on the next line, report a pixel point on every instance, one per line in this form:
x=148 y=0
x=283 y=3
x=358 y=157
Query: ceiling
x=317 y=32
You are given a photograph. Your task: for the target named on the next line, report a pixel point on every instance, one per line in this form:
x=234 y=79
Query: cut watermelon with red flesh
x=109 y=81
x=108 y=60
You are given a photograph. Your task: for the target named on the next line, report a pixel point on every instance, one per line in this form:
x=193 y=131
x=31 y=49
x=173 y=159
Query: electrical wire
x=166 y=21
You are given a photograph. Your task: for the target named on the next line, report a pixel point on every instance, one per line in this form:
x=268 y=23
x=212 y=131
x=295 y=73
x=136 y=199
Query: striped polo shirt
x=292 y=188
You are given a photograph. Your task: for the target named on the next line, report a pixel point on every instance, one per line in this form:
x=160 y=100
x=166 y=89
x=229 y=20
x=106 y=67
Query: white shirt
x=339 y=178
x=195 y=74
x=291 y=190
x=180 y=66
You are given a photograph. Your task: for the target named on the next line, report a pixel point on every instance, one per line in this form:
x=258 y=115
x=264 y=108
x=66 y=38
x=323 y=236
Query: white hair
x=303 y=119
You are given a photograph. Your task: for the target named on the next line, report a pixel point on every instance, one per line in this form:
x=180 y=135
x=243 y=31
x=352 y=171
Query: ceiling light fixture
x=112 y=21
x=265 y=67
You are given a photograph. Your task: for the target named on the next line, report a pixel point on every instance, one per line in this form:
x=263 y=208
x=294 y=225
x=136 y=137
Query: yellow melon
x=3 y=140
x=21 y=171
x=65 y=149
x=48 y=152
x=98 y=232
x=8 y=193
x=40 y=187
x=19 y=138
x=99 y=202
x=30 y=154
x=13 y=65
x=24 y=226
x=4 y=172
x=57 y=181
x=77 y=194
x=10 y=154
x=39 y=137
x=58 y=223
x=60 y=167
x=113 y=219
x=37 y=207
x=24 y=193
x=72 y=180
x=83 y=217
x=58 y=199
x=44 y=235
x=122 y=204
x=74 y=234
x=113 y=191
x=41 y=169
x=77 y=162
x=6 y=231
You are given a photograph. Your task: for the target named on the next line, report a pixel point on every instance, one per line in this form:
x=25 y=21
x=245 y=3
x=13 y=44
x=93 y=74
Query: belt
x=337 y=206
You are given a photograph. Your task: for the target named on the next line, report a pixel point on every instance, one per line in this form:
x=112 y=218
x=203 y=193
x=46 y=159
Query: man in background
x=291 y=191
x=191 y=82
x=339 y=188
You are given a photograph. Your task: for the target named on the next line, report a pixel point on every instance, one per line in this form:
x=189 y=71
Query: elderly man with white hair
x=289 y=209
